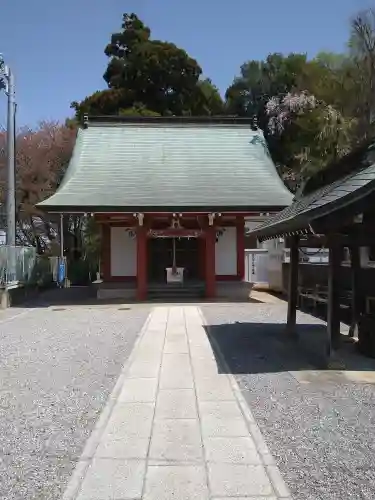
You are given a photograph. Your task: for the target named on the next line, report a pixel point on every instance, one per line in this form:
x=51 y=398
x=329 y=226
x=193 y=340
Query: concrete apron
x=12 y=294
x=176 y=425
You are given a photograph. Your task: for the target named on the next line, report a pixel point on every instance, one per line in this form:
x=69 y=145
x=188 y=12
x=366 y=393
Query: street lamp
x=7 y=84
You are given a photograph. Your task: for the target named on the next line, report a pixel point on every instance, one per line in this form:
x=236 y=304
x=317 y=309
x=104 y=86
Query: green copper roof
x=165 y=165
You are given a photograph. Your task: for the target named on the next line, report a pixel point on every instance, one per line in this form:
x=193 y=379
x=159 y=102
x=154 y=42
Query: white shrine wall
x=123 y=253
x=226 y=253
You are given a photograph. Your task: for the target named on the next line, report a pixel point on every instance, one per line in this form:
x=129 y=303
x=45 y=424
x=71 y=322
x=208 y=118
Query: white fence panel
x=256 y=265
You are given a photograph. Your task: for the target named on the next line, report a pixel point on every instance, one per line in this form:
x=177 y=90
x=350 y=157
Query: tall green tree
x=146 y=76
x=303 y=106
x=257 y=84
x=260 y=80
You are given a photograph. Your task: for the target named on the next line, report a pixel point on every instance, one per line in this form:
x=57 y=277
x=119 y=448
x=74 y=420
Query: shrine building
x=172 y=196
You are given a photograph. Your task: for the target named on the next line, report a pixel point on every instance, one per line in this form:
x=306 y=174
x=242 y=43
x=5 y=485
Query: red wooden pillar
x=202 y=258
x=141 y=263
x=240 y=248
x=210 y=262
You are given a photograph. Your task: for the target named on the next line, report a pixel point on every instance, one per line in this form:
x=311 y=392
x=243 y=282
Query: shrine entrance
x=169 y=255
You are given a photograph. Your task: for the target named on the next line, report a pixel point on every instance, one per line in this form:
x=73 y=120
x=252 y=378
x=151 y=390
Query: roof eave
x=283 y=229
x=156 y=209
x=304 y=223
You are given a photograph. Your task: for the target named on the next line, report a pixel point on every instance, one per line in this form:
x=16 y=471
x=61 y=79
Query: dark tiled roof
x=318 y=203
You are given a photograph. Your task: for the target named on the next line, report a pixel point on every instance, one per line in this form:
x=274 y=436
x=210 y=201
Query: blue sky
x=56 y=48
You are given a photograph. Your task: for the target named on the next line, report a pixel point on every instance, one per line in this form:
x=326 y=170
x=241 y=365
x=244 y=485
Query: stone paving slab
x=220 y=409
x=238 y=480
x=247 y=498
x=113 y=479
x=148 y=368
x=176 y=403
x=214 y=388
x=176 y=343
x=131 y=419
x=219 y=426
x=176 y=372
x=176 y=482
x=179 y=429
x=237 y=450
x=131 y=448
x=176 y=440
x=141 y=390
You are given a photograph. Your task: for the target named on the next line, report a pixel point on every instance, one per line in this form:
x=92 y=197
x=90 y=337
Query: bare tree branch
x=42 y=155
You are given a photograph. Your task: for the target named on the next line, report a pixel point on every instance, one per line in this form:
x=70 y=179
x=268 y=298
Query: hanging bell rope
x=174 y=265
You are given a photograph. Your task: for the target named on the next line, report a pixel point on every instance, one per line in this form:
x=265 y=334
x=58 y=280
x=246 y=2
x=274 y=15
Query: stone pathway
x=175 y=427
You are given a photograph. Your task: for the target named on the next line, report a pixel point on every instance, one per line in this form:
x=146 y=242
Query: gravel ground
x=321 y=431
x=57 y=368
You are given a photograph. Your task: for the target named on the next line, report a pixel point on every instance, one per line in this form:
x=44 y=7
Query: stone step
x=176 y=291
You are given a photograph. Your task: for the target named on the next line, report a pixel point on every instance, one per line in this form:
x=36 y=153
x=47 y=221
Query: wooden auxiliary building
x=335 y=209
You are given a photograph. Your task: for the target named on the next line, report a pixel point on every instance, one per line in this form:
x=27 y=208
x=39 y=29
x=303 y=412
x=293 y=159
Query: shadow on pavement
x=60 y=297
x=265 y=348
x=86 y=296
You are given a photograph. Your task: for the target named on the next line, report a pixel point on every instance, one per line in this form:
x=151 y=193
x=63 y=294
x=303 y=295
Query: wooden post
x=357 y=296
x=293 y=286
x=240 y=228
x=202 y=257
x=141 y=263
x=210 y=262
x=333 y=313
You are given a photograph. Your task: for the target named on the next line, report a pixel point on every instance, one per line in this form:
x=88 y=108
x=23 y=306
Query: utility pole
x=7 y=83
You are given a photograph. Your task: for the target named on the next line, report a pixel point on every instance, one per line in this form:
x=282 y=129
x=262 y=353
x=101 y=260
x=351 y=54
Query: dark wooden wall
x=250 y=242
x=317 y=274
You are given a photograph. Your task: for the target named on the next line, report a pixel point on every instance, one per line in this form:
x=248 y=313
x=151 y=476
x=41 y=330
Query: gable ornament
x=211 y=218
x=140 y=218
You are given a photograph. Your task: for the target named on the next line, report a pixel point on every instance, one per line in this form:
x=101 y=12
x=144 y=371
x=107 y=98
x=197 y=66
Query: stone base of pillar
x=4 y=299
x=335 y=362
